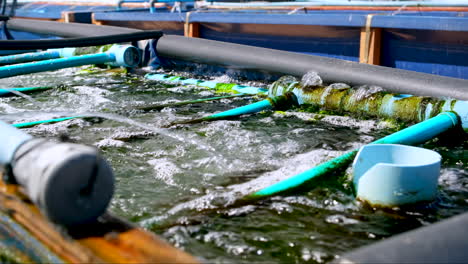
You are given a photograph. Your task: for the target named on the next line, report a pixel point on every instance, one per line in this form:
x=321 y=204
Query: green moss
x=280 y=112
x=394 y=125
x=8 y=256
x=225 y=88
x=309 y=108
x=105 y=48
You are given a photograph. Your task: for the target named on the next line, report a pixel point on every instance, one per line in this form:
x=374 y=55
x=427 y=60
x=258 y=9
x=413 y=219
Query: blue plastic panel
x=448 y=21
x=139 y=16
x=342 y=43
x=51 y=11
x=442 y=53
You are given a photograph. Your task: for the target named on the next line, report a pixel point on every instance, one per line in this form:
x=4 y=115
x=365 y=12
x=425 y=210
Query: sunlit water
x=183 y=182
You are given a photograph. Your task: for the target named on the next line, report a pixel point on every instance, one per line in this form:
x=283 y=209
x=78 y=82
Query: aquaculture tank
x=229 y=152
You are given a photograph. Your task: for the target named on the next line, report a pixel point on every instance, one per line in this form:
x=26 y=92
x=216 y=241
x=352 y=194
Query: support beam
x=192 y=30
x=68 y=17
x=370 y=45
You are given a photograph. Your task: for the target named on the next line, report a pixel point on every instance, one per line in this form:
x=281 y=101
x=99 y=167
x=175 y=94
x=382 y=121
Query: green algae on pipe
x=8 y=91
x=364 y=101
x=412 y=135
x=34 y=123
x=221 y=87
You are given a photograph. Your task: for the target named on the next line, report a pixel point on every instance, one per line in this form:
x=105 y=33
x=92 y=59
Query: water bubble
x=311 y=79
x=366 y=91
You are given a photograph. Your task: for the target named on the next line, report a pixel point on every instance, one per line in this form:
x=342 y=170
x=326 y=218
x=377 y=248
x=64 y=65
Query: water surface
x=183 y=182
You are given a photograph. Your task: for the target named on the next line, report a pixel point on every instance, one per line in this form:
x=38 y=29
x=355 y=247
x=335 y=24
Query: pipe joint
x=284 y=102
x=125 y=56
x=66 y=52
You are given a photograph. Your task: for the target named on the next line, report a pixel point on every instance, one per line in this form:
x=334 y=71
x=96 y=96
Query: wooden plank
x=109 y=240
x=26 y=214
x=370 y=45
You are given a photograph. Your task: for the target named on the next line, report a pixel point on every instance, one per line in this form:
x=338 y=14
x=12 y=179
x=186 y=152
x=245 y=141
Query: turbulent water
x=183 y=182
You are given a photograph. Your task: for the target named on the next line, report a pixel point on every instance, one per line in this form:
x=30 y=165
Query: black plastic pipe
x=65 y=30
x=331 y=70
x=78 y=42
x=74 y=35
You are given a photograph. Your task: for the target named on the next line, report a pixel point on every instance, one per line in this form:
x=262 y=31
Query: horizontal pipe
x=34 y=123
x=55 y=64
x=57 y=175
x=38 y=56
x=127 y=56
x=412 y=135
x=8 y=91
x=370 y=103
x=13 y=52
x=331 y=70
x=441 y=242
x=243 y=110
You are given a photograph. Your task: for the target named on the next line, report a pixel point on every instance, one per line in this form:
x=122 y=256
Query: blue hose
x=126 y=56
x=12 y=138
x=243 y=110
x=37 y=56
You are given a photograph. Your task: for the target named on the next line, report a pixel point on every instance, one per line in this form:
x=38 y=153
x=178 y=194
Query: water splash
x=366 y=91
x=25 y=96
x=311 y=79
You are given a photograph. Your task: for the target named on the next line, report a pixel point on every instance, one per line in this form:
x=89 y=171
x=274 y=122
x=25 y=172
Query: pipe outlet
x=126 y=56
x=72 y=184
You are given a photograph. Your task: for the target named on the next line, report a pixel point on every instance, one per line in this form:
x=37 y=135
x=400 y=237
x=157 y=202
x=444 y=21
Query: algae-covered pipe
x=412 y=135
x=363 y=101
x=330 y=69
x=127 y=56
x=71 y=184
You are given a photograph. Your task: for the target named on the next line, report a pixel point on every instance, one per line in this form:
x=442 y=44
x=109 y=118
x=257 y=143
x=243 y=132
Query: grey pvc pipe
x=443 y=242
x=331 y=70
x=72 y=184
